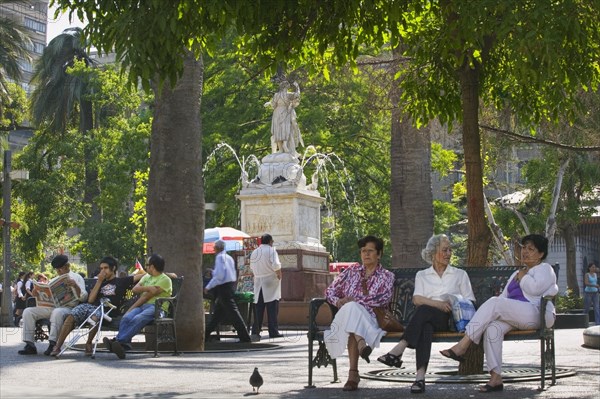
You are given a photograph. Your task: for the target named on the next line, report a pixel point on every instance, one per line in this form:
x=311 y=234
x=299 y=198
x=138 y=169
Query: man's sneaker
x=48 y=351
x=117 y=349
x=28 y=350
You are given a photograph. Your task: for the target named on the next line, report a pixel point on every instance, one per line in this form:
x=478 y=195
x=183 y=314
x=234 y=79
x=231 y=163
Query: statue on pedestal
x=285 y=134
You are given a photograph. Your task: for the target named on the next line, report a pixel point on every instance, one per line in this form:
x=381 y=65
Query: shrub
x=568 y=301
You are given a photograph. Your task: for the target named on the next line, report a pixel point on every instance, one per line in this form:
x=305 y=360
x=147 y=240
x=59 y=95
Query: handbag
x=385 y=317
x=387 y=320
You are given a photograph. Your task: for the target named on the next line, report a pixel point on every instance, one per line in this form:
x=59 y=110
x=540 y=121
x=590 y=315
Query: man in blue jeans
x=155 y=284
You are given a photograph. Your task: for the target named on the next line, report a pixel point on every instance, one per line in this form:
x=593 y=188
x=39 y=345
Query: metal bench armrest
x=158 y=306
x=313 y=310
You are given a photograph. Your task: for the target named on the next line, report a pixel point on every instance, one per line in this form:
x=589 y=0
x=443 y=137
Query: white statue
x=285 y=134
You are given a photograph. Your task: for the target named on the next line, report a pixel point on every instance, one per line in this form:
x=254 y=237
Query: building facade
x=33 y=16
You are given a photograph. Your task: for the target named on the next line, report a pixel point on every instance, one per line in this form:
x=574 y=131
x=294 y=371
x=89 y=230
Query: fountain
x=279 y=201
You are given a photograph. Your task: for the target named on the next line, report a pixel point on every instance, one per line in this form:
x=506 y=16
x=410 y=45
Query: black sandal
x=390 y=360
x=418 y=386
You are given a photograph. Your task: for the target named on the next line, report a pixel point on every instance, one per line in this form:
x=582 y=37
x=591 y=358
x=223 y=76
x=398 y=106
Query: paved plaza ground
x=226 y=374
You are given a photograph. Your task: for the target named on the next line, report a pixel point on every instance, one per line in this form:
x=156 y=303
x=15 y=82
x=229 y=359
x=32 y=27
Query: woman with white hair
x=433 y=309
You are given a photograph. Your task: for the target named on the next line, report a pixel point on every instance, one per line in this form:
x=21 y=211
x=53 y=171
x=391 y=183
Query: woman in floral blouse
x=356 y=291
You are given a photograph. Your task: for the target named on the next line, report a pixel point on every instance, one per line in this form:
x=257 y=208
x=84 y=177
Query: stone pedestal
x=279 y=202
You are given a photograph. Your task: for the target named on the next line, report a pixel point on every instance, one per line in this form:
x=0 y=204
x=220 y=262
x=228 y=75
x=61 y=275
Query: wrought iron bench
x=486 y=282
x=161 y=330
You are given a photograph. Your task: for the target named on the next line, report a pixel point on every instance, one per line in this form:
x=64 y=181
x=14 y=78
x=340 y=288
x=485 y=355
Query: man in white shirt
x=266 y=267
x=223 y=284
x=57 y=316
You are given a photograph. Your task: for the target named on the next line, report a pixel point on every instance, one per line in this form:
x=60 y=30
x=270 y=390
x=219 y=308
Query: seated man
x=57 y=316
x=223 y=283
x=109 y=286
x=155 y=284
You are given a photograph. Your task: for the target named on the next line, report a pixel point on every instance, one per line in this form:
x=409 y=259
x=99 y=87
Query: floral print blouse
x=380 y=286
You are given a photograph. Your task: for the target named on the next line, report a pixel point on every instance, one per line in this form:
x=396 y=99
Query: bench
x=486 y=282
x=161 y=330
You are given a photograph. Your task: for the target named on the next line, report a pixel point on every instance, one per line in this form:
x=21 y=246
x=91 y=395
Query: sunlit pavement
x=225 y=374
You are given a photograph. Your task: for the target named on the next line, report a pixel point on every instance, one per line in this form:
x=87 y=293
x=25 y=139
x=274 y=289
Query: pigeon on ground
x=256 y=380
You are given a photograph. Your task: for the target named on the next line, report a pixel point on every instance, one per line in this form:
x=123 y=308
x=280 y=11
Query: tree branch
x=379 y=61
x=529 y=139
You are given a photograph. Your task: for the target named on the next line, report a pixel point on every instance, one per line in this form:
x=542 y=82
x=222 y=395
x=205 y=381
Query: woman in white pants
x=517 y=307
x=356 y=291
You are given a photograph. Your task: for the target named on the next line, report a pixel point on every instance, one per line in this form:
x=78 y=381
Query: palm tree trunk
x=411 y=199
x=175 y=203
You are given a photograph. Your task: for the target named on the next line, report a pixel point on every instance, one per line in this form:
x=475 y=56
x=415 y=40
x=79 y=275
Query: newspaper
x=57 y=293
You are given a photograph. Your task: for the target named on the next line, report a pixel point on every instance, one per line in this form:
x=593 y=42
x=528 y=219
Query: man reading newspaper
x=57 y=315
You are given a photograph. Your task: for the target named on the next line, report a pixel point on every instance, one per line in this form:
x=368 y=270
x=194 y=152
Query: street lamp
x=7 y=224
x=209 y=206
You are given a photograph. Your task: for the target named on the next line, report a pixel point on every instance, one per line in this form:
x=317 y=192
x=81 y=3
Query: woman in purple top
x=356 y=291
x=517 y=307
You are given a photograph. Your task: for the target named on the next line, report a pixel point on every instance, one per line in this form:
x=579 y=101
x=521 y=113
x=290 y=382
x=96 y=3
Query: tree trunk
x=568 y=232
x=551 y=221
x=479 y=233
x=473 y=363
x=175 y=203
x=411 y=202
x=91 y=188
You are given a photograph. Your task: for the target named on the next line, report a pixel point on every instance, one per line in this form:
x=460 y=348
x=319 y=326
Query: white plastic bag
x=462 y=311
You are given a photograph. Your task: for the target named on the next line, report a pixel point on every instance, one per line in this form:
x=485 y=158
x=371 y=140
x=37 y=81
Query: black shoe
x=365 y=353
x=491 y=388
x=418 y=386
x=107 y=343
x=255 y=338
x=390 y=360
x=48 y=351
x=28 y=350
x=118 y=350
x=278 y=335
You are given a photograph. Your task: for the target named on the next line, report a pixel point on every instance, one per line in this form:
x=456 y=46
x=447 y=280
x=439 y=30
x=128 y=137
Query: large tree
x=161 y=45
x=525 y=56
